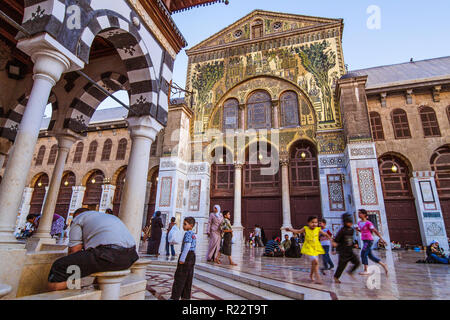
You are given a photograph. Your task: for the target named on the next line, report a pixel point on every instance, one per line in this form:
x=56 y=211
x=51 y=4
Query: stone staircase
x=243 y=285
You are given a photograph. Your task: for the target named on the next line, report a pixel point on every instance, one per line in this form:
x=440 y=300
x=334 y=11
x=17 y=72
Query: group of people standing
x=220 y=233
x=57 y=230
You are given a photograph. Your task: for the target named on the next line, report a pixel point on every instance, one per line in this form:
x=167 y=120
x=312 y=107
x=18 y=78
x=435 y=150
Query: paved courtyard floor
x=406 y=280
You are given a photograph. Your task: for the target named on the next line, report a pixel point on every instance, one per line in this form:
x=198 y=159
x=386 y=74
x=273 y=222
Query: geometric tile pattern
x=335 y=192
x=194 y=195
x=159 y=284
x=166 y=192
x=367 y=189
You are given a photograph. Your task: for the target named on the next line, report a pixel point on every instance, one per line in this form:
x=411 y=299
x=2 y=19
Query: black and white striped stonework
x=44 y=16
x=10 y=120
x=82 y=109
x=133 y=52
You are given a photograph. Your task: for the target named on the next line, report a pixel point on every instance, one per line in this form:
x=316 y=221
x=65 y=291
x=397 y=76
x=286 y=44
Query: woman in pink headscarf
x=215 y=234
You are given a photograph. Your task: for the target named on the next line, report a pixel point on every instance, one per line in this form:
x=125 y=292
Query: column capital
x=49 y=65
x=66 y=140
x=284 y=162
x=238 y=165
x=144 y=127
x=423 y=174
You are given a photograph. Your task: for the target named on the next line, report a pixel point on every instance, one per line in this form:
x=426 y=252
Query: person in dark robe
x=263 y=236
x=155 y=234
x=294 y=250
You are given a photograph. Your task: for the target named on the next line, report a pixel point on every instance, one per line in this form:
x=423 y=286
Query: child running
x=182 y=284
x=365 y=227
x=344 y=243
x=312 y=247
x=326 y=244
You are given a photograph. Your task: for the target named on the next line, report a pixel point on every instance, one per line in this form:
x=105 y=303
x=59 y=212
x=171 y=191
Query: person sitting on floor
x=98 y=242
x=294 y=250
x=286 y=243
x=272 y=248
x=435 y=254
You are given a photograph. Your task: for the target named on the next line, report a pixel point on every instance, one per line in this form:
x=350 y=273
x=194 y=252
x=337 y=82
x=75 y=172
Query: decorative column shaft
x=237 y=214
x=242 y=117
x=48 y=67
x=143 y=132
x=65 y=142
x=285 y=192
x=76 y=201
x=276 y=120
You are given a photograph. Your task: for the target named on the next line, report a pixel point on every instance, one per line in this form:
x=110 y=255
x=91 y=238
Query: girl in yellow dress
x=312 y=247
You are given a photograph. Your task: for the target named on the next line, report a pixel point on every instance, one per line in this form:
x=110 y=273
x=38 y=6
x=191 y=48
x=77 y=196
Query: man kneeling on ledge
x=98 y=242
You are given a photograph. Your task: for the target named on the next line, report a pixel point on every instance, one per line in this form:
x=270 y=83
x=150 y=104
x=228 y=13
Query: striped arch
x=131 y=48
x=83 y=107
x=10 y=120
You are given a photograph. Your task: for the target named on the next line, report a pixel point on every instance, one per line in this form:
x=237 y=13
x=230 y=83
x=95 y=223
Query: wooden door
x=266 y=212
x=118 y=192
x=93 y=193
x=445 y=206
x=303 y=207
x=402 y=221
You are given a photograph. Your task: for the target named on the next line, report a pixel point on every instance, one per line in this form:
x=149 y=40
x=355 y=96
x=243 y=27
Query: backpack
x=175 y=235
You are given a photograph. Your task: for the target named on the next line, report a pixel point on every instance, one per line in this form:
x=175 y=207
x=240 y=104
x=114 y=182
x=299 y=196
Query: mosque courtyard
x=407 y=279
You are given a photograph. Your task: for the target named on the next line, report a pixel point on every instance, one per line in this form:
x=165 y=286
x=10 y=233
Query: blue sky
x=409 y=29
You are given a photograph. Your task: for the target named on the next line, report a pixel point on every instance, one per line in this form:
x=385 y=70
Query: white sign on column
x=24 y=208
x=107 y=197
x=76 y=201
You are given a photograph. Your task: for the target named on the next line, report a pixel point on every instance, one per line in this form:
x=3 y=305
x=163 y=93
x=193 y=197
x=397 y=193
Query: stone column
x=429 y=212
x=237 y=214
x=286 y=198
x=242 y=117
x=143 y=131
x=107 y=198
x=276 y=120
x=48 y=67
x=65 y=142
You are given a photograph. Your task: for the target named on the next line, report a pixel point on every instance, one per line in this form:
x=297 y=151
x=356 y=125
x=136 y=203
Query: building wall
x=418 y=149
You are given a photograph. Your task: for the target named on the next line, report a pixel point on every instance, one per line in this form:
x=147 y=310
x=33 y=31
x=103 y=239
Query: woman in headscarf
x=215 y=234
x=156 y=233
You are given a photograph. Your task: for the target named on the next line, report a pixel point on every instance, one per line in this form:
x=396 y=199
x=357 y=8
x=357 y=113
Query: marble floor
x=406 y=280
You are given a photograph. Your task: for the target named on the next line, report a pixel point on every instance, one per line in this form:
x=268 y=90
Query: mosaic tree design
x=317 y=59
x=206 y=77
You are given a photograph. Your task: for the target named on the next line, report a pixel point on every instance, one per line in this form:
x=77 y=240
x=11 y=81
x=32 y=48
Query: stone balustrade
x=110 y=282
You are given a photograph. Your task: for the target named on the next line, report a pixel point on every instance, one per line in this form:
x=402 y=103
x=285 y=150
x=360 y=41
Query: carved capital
x=409 y=94
x=437 y=93
x=383 y=97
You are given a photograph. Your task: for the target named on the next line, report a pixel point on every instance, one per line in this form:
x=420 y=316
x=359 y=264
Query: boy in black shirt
x=344 y=243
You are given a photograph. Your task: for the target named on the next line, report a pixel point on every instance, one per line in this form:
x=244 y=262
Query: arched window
x=440 y=163
x=40 y=156
x=93 y=193
x=78 y=152
x=394 y=175
x=377 y=126
x=303 y=165
x=259 y=107
x=92 y=151
x=122 y=149
x=106 y=153
x=230 y=114
x=120 y=182
x=259 y=177
x=400 y=124
x=222 y=173
x=257 y=29
x=65 y=194
x=38 y=196
x=289 y=109
x=429 y=122
x=52 y=155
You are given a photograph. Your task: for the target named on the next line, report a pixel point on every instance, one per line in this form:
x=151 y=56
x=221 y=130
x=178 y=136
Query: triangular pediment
x=274 y=24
